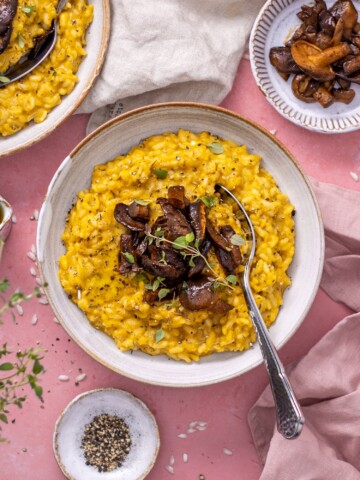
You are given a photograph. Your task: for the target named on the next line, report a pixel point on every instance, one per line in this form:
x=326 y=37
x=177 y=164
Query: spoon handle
x=288 y=412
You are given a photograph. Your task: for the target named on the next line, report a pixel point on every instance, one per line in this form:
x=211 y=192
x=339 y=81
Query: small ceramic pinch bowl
x=69 y=431
x=275 y=24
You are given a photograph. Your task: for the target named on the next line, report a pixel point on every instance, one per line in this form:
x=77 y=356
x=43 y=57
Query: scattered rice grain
x=33 y=249
x=202 y=424
x=81 y=377
x=182 y=435
x=34 y=319
x=354 y=176
x=79 y=294
x=185 y=457
x=246 y=56
x=193 y=424
x=63 y=378
x=20 y=310
x=172 y=460
x=191 y=430
x=170 y=469
x=38 y=281
x=33 y=271
x=36 y=215
x=56 y=320
x=273 y=132
x=43 y=301
x=13 y=219
x=227 y=451
x=201 y=428
x=31 y=256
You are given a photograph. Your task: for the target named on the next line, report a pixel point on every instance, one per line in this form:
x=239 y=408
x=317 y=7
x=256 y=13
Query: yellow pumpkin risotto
x=114 y=303
x=36 y=94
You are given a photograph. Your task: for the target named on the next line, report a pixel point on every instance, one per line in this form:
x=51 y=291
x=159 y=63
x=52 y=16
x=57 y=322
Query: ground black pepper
x=106 y=442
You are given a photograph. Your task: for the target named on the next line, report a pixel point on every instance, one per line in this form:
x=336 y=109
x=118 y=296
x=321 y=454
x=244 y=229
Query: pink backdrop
x=28 y=455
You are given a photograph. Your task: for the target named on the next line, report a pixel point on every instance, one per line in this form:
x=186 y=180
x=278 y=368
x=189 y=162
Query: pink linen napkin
x=327 y=380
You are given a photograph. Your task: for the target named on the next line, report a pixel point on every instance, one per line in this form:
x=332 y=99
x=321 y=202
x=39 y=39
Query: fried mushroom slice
x=122 y=216
x=173 y=222
x=345 y=10
x=176 y=196
x=7 y=14
x=281 y=59
x=199 y=295
x=197 y=216
x=139 y=212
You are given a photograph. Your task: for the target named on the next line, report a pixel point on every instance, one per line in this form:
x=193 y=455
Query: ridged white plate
x=69 y=430
x=97 y=38
x=116 y=137
x=275 y=23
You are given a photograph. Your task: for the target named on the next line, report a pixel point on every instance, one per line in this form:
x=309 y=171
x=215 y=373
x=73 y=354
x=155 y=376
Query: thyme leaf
x=216 y=148
x=159 y=335
x=161 y=173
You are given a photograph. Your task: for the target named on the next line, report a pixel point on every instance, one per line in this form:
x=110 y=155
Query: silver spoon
x=27 y=63
x=288 y=412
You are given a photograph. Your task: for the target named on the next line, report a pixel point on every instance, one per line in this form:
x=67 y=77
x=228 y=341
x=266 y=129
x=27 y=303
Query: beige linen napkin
x=170 y=50
x=327 y=380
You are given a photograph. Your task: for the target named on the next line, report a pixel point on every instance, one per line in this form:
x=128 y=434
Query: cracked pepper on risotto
x=133 y=251
x=35 y=95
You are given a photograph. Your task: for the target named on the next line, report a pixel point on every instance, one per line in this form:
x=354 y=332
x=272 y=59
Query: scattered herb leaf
x=28 y=9
x=209 y=201
x=163 y=258
x=160 y=173
x=3 y=418
x=231 y=279
x=159 y=335
x=142 y=202
x=237 y=240
x=180 y=243
x=216 y=148
x=129 y=257
x=21 y=41
x=4 y=285
x=4 y=79
x=190 y=237
x=6 y=366
x=141 y=277
x=163 y=292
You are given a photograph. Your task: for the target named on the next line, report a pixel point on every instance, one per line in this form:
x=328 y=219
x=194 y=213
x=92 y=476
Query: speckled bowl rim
x=85 y=91
x=259 y=33
x=132 y=397
x=222 y=110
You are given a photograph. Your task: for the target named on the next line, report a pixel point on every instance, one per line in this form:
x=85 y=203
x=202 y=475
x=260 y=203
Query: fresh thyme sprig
x=183 y=244
x=17 y=369
x=15 y=299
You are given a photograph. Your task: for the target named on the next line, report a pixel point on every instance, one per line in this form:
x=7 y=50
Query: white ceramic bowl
x=97 y=40
x=118 y=136
x=69 y=430
x=275 y=22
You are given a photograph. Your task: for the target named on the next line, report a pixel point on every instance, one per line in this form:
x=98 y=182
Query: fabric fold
x=327 y=380
x=170 y=50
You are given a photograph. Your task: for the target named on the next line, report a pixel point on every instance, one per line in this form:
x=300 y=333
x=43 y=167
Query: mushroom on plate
x=323 y=54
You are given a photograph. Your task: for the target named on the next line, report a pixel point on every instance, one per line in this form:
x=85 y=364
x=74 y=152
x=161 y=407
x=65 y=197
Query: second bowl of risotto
x=33 y=106
x=142 y=256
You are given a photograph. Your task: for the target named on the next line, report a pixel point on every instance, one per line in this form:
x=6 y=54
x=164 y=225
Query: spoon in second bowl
x=289 y=416
x=36 y=55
